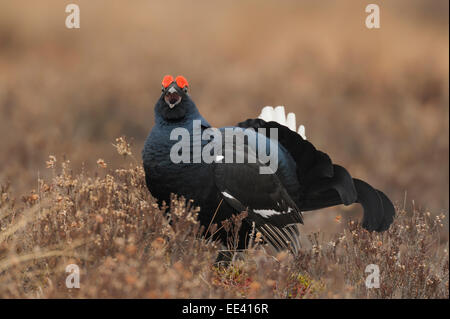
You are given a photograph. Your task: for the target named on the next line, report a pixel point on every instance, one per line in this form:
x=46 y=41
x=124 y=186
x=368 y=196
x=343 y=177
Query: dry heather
x=374 y=100
x=108 y=224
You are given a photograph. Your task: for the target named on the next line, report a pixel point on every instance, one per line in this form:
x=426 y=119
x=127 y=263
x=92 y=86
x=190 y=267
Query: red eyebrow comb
x=167 y=80
x=181 y=81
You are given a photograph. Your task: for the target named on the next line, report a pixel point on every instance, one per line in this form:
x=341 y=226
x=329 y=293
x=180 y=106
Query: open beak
x=172 y=97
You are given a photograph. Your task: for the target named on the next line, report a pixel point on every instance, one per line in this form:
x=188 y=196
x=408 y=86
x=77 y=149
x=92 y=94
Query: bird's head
x=174 y=103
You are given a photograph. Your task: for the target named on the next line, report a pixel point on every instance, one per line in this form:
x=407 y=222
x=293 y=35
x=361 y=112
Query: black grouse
x=259 y=166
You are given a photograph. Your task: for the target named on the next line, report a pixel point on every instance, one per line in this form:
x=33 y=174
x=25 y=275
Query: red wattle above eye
x=181 y=81
x=167 y=80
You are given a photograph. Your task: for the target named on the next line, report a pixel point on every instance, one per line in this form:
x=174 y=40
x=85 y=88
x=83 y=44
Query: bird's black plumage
x=304 y=179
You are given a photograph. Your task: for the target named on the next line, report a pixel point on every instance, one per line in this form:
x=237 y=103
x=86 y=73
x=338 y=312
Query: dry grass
x=108 y=225
x=375 y=100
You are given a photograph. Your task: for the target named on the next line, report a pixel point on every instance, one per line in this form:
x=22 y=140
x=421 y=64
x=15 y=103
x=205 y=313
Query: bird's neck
x=185 y=122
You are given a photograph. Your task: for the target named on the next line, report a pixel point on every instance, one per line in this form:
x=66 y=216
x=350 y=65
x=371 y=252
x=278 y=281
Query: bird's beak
x=172 y=97
x=172 y=90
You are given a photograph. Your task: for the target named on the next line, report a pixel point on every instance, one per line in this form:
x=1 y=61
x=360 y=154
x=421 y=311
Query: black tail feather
x=324 y=199
x=336 y=190
x=372 y=204
x=378 y=209
x=388 y=210
x=325 y=184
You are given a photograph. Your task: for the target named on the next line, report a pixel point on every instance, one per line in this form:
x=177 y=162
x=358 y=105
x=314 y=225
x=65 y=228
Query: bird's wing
x=264 y=198
x=324 y=184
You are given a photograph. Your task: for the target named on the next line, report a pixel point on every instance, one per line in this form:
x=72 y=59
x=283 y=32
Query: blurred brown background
x=375 y=100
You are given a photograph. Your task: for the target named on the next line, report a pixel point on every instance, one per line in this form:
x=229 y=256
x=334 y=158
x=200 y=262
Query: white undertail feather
x=290 y=121
x=266 y=113
x=278 y=114
x=301 y=131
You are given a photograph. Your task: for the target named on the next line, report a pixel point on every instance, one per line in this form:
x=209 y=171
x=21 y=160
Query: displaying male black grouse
x=184 y=155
